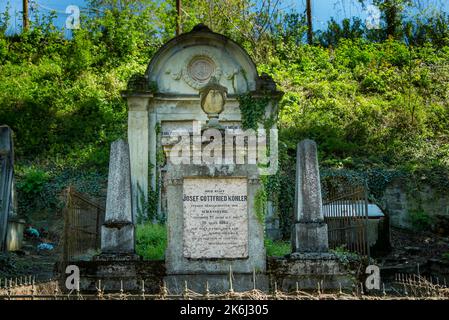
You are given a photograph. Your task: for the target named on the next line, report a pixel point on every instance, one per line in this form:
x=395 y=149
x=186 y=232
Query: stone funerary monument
x=193 y=83
x=190 y=160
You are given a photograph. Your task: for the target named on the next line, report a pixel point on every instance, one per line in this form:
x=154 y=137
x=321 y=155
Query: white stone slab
x=215 y=218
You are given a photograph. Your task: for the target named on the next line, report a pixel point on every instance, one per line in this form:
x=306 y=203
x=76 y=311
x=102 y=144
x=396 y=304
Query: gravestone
x=187 y=98
x=117 y=231
x=11 y=226
x=309 y=232
x=115 y=266
x=310 y=264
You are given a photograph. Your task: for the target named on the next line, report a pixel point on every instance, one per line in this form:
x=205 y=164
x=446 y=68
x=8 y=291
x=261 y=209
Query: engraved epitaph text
x=215 y=218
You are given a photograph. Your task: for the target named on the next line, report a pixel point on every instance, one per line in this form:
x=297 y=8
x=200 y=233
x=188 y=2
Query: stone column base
x=308 y=271
x=310 y=237
x=117 y=238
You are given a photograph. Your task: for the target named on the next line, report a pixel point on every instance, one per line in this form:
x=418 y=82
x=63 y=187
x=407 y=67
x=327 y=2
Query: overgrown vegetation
x=420 y=220
x=151 y=241
x=375 y=101
x=277 y=248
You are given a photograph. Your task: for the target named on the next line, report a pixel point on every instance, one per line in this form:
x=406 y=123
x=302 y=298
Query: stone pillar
x=117 y=232
x=138 y=140
x=309 y=232
x=6 y=181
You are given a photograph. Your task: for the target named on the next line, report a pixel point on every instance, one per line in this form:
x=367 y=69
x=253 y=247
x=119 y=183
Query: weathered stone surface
x=403 y=197
x=310 y=237
x=118 y=239
x=217 y=283
x=309 y=270
x=309 y=232
x=117 y=232
x=14 y=235
x=6 y=182
x=308 y=204
x=215 y=218
x=139 y=142
x=176 y=261
x=114 y=273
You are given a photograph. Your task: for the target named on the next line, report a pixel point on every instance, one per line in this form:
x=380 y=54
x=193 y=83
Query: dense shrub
x=151 y=241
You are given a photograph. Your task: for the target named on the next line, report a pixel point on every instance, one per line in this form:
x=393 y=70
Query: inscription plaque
x=215 y=218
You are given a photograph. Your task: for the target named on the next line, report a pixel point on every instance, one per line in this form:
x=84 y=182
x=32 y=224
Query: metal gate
x=345 y=208
x=82 y=225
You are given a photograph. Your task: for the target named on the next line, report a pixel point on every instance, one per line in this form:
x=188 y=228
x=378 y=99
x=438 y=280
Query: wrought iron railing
x=345 y=208
x=82 y=225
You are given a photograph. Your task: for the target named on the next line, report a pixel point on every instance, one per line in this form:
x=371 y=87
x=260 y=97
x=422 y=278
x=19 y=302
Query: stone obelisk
x=309 y=234
x=117 y=232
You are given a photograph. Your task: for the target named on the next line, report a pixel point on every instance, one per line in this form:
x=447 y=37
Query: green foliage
x=345 y=257
x=252 y=110
x=33 y=181
x=260 y=205
x=420 y=220
x=151 y=241
x=277 y=248
x=147 y=209
x=40 y=189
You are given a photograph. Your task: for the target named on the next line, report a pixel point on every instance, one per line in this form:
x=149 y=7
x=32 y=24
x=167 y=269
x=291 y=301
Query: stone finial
x=201 y=27
x=309 y=233
x=117 y=232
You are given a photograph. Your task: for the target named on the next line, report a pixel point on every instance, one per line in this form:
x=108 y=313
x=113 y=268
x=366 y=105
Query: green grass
x=151 y=241
x=277 y=248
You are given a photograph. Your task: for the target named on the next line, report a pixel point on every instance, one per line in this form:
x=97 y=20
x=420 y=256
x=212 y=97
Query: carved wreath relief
x=201 y=68
x=198 y=69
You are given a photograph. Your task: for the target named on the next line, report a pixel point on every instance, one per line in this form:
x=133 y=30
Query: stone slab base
x=309 y=271
x=117 y=257
x=310 y=237
x=217 y=283
x=305 y=269
x=112 y=272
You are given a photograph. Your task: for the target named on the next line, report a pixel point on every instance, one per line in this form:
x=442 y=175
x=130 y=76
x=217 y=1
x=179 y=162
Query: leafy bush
x=344 y=256
x=277 y=248
x=420 y=220
x=151 y=241
x=32 y=181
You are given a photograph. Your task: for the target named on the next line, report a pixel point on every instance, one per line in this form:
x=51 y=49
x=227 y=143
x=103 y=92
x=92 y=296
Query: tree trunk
x=26 y=22
x=309 y=22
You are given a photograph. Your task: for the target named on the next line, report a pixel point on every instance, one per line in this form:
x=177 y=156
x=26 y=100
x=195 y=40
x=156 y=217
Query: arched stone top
x=186 y=63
